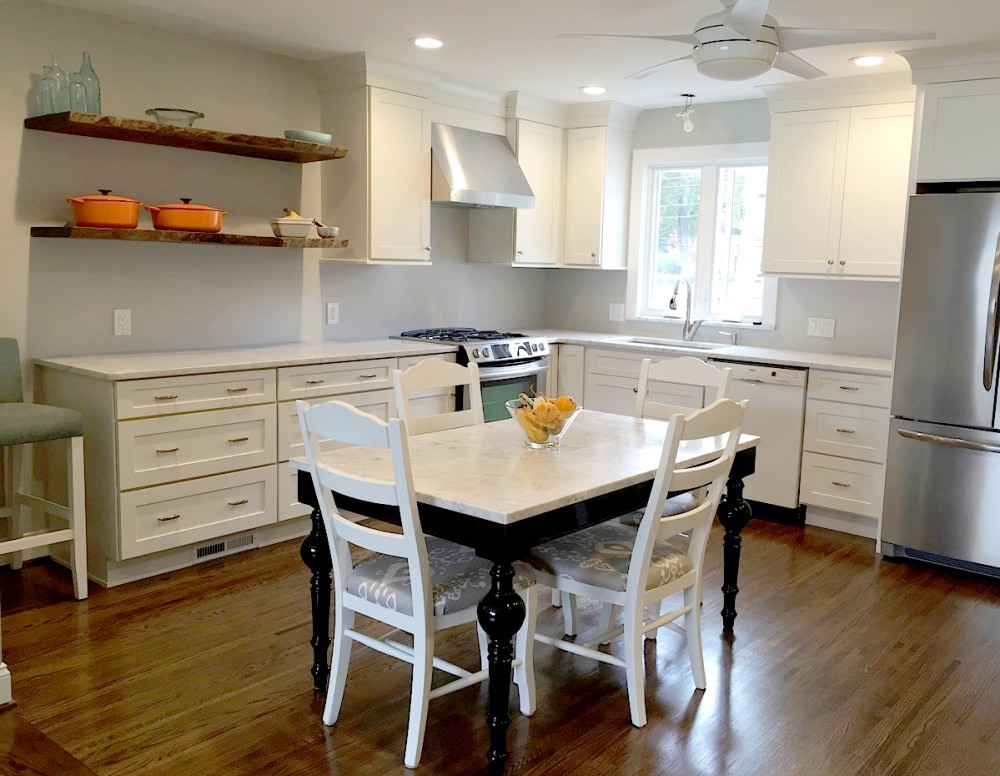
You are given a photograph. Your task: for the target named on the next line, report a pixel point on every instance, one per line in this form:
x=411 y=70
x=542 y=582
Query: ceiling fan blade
x=791 y=38
x=746 y=16
x=656 y=68
x=796 y=66
x=689 y=39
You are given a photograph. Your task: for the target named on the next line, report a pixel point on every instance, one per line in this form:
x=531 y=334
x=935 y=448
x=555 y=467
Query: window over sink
x=697 y=224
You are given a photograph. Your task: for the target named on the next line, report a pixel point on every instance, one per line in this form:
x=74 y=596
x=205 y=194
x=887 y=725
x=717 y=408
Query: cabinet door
x=805 y=191
x=876 y=183
x=540 y=152
x=585 y=158
x=570 y=372
x=399 y=166
x=958 y=131
x=611 y=393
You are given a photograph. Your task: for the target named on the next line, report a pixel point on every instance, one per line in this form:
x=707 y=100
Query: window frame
x=644 y=163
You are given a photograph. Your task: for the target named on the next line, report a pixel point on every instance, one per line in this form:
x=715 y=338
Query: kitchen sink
x=677 y=344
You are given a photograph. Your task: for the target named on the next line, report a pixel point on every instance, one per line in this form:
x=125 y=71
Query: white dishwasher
x=776 y=414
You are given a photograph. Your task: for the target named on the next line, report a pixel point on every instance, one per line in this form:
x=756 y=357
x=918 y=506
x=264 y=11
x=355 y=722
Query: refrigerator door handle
x=992 y=322
x=948 y=441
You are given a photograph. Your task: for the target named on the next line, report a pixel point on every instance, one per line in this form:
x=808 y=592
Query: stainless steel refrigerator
x=942 y=494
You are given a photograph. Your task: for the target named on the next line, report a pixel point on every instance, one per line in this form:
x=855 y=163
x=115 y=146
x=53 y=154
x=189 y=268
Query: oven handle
x=513 y=372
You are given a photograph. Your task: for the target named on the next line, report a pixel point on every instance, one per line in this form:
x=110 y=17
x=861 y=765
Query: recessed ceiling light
x=593 y=89
x=871 y=60
x=428 y=43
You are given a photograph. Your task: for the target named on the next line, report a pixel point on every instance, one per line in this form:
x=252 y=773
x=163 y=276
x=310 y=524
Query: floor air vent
x=224 y=547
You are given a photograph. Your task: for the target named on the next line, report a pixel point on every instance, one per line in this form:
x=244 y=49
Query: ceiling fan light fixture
x=734 y=60
x=868 y=60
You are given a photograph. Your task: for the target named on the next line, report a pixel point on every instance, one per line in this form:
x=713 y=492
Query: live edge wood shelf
x=152 y=133
x=153 y=235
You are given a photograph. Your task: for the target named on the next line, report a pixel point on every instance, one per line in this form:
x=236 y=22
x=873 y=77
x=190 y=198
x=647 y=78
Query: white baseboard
x=845 y=522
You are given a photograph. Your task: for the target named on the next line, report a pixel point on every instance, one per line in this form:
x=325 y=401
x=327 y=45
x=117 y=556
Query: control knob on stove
x=475 y=352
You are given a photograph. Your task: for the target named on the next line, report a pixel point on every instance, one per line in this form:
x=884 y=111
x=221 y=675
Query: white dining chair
x=415 y=584
x=655 y=399
x=637 y=569
x=433 y=374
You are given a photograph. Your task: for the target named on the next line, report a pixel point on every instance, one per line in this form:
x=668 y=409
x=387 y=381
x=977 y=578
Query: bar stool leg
x=77 y=515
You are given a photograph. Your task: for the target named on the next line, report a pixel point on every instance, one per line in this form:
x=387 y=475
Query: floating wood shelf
x=149 y=132
x=153 y=235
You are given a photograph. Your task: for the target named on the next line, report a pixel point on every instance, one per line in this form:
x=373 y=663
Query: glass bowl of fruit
x=544 y=421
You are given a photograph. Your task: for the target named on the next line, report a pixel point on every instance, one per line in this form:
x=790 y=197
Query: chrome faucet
x=690 y=327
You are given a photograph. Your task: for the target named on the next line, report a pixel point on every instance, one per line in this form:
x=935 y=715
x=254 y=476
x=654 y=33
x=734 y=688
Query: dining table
x=482 y=487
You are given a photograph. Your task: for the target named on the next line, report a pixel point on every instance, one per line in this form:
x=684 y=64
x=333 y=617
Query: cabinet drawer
x=172 y=395
x=153 y=451
x=851 y=388
x=613 y=362
x=304 y=382
x=840 y=483
x=381 y=404
x=167 y=516
x=848 y=430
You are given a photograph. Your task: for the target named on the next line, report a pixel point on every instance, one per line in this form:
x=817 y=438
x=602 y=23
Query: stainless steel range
x=509 y=363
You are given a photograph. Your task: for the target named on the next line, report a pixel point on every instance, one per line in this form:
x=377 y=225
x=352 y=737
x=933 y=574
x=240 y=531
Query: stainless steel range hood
x=475 y=169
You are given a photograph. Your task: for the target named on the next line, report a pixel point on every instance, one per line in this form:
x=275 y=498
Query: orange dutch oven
x=185 y=216
x=105 y=210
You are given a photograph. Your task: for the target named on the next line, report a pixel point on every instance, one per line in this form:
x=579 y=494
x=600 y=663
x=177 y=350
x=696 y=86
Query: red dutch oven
x=105 y=210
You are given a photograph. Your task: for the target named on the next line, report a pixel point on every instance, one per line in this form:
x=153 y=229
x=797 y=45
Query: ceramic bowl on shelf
x=541 y=432
x=328 y=231
x=178 y=117
x=308 y=136
x=291 y=227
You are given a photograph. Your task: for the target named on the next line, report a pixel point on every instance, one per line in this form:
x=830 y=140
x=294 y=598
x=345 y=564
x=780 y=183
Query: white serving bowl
x=309 y=137
x=327 y=231
x=291 y=227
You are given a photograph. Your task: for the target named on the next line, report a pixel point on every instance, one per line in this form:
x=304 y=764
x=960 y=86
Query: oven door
x=501 y=383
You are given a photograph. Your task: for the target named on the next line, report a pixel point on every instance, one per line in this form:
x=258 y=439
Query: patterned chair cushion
x=600 y=555
x=672 y=506
x=458 y=578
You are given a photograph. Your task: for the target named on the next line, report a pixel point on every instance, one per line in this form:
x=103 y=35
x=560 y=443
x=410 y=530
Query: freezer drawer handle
x=845 y=430
x=949 y=441
x=992 y=322
x=840 y=484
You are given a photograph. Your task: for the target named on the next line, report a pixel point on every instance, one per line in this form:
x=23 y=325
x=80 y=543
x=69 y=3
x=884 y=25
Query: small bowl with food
x=543 y=421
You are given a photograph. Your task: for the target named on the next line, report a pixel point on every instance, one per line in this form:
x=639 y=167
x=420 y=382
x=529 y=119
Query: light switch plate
x=332 y=313
x=821 y=327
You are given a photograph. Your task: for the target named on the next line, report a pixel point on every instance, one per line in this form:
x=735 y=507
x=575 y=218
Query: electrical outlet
x=617 y=312
x=821 y=327
x=332 y=313
x=123 y=323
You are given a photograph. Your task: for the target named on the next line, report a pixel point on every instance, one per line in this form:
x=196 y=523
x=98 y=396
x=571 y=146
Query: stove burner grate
x=459 y=335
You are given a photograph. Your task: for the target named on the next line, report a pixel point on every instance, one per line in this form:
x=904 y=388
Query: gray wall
x=865 y=311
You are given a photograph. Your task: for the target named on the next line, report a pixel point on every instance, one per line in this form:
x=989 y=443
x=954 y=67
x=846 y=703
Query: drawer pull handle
x=845 y=430
x=237 y=390
x=166 y=397
x=167 y=519
x=240 y=439
x=315 y=382
x=166 y=450
x=368 y=375
x=241 y=502
x=848 y=387
x=841 y=484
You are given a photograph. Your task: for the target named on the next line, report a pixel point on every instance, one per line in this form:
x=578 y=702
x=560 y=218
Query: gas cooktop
x=485 y=347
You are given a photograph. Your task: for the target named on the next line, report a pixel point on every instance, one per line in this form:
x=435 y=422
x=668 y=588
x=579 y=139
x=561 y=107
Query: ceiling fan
x=743 y=42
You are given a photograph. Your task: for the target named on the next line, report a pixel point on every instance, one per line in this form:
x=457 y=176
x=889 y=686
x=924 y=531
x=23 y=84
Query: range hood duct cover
x=476 y=169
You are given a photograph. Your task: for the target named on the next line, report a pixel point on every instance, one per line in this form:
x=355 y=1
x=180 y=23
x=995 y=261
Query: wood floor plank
x=842 y=663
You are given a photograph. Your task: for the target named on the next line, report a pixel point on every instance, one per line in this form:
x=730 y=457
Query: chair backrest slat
x=10 y=371
x=430 y=374
x=685 y=371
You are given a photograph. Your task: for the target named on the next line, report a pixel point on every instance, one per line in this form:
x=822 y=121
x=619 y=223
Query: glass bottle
x=77 y=94
x=48 y=90
x=91 y=85
x=61 y=77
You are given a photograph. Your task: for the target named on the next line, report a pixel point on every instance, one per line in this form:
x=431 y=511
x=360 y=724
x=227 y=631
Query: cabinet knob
x=427 y=247
x=593 y=255
x=842 y=262
x=829 y=261
x=520 y=253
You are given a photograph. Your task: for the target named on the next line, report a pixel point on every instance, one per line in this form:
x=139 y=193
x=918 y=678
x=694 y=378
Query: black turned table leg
x=315 y=552
x=501 y=613
x=734 y=514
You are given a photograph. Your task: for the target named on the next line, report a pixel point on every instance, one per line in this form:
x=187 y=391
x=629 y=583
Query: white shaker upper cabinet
x=539 y=230
x=958 y=131
x=837 y=191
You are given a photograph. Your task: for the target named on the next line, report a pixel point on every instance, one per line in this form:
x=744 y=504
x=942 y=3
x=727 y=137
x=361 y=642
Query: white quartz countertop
x=834 y=362
x=134 y=366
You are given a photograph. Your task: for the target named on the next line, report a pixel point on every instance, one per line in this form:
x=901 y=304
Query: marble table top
x=487 y=472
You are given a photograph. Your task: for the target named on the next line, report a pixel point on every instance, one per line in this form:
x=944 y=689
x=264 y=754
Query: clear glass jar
x=61 y=77
x=48 y=89
x=77 y=94
x=91 y=85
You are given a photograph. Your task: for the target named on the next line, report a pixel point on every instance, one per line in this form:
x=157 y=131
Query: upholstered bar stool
x=22 y=425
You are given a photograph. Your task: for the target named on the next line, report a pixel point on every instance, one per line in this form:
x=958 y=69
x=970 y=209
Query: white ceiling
x=510 y=45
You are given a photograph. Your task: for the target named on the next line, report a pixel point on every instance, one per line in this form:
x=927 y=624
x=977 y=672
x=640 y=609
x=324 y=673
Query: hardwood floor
x=842 y=664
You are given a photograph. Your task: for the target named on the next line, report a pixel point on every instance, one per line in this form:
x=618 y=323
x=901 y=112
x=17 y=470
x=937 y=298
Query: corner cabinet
x=837 y=191
x=382 y=196
x=597 y=172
